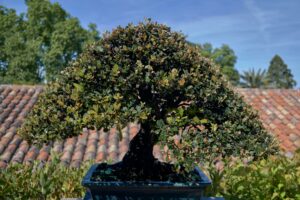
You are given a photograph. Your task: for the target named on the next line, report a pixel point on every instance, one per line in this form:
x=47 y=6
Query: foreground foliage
x=37 y=181
x=276 y=178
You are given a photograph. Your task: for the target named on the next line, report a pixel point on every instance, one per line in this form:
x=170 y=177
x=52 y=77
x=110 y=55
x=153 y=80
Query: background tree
x=149 y=74
x=207 y=50
x=279 y=75
x=254 y=79
x=37 y=45
x=17 y=55
x=225 y=58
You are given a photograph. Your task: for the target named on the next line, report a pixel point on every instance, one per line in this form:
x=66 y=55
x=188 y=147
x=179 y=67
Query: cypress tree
x=279 y=75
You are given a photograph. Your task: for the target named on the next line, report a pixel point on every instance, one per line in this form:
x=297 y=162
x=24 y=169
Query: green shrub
x=150 y=74
x=275 y=178
x=49 y=181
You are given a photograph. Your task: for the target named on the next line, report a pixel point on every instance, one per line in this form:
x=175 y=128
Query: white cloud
x=260 y=17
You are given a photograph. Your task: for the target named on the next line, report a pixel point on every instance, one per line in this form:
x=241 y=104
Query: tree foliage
x=274 y=178
x=254 y=79
x=42 y=181
x=225 y=58
x=39 y=44
x=279 y=75
x=17 y=54
x=149 y=74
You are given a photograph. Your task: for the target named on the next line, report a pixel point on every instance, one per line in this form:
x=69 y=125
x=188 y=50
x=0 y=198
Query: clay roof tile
x=278 y=109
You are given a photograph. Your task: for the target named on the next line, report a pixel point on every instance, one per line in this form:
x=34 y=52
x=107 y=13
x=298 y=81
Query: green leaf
x=204 y=121
x=196 y=120
x=78 y=87
x=115 y=70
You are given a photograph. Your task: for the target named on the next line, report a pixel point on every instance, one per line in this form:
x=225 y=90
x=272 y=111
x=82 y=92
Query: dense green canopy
x=36 y=45
x=151 y=75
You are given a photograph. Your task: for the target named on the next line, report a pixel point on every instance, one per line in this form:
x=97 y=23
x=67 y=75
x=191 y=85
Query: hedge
x=276 y=178
x=41 y=181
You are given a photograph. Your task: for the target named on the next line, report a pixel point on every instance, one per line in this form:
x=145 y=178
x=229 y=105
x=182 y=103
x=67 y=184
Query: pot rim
x=86 y=181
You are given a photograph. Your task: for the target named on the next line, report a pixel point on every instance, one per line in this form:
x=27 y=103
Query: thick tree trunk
x=140 y=153
x=139 y=162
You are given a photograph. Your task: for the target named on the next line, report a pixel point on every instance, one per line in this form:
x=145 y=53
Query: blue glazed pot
x=98 y=190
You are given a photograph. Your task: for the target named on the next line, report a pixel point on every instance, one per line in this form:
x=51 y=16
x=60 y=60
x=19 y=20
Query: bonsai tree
x=148 y=74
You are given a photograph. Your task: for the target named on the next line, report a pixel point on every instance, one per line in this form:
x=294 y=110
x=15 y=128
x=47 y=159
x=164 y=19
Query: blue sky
x=256 y=30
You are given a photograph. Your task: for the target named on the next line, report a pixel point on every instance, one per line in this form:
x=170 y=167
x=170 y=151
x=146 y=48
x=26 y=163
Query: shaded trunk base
x=158 y=171
x=139 y=163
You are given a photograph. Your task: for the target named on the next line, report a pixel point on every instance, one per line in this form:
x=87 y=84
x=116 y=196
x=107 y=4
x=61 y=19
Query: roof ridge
x=21 y=85
x=267 y=89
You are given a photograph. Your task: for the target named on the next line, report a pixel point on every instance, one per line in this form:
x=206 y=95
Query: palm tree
x=254 y=79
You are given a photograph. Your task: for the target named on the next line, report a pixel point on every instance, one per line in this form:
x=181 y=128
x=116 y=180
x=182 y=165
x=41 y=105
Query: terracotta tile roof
x=279 y=111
